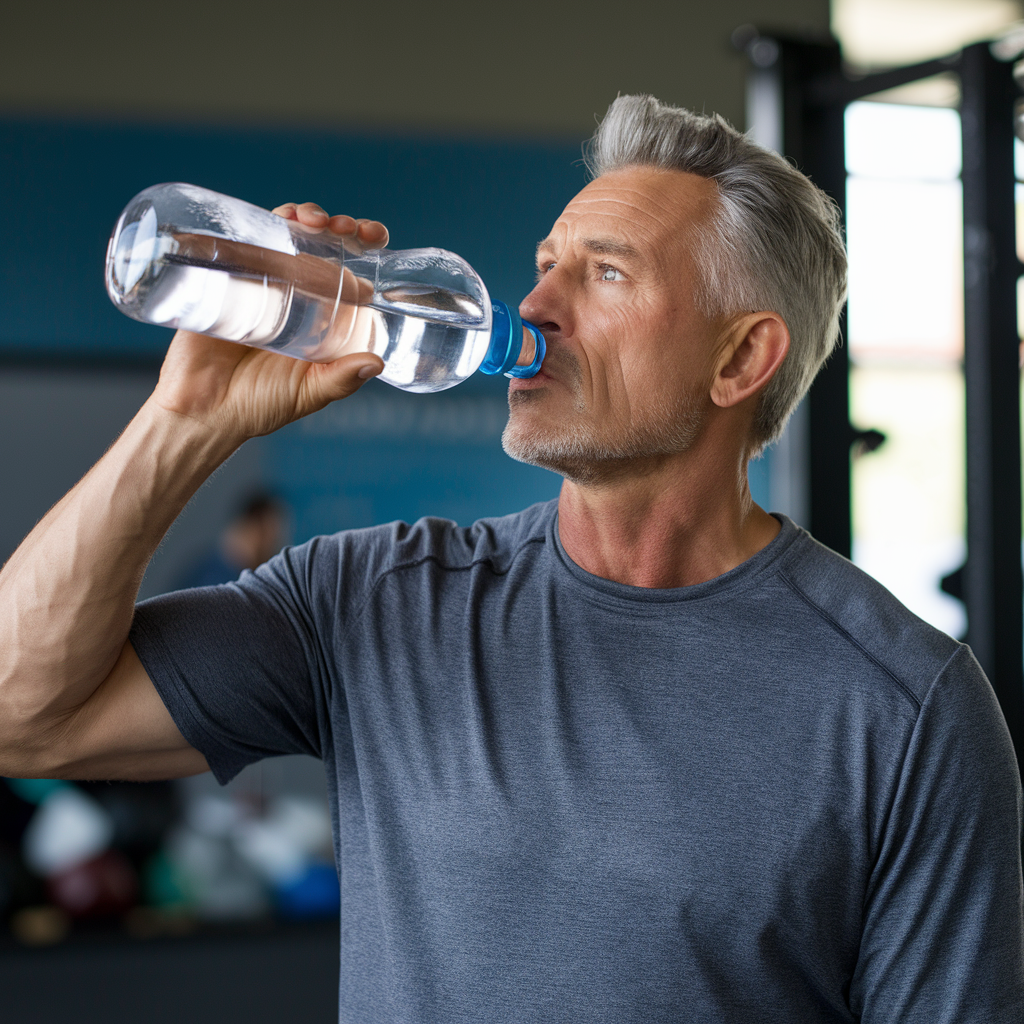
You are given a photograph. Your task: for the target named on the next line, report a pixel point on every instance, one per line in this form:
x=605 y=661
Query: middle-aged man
x=645 y=753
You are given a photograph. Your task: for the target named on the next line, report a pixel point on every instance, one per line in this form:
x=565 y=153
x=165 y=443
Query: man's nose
x=542 y=307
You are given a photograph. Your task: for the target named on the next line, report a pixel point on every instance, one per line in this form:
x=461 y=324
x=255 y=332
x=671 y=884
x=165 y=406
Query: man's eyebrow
x=611 y=247
x=600 y=246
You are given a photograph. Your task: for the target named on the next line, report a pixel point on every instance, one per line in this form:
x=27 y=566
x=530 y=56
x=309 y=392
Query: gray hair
x=775 y=243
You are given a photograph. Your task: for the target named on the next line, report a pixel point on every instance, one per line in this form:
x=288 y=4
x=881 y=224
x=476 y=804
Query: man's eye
x=542 y=269
x=611 y=274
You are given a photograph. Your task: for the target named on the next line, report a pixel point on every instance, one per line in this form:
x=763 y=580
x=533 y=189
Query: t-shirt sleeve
x=241 y=667
x=943 y=933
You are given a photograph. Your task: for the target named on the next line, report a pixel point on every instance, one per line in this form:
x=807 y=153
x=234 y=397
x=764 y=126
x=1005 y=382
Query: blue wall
x=389 y=455
x=380 y=455
x=64 y=185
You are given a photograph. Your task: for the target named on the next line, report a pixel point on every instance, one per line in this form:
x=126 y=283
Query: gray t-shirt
x=774 y=796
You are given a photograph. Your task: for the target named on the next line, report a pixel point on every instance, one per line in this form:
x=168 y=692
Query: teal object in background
x=35 y=791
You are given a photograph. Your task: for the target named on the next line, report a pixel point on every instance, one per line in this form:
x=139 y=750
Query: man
x=644 y=754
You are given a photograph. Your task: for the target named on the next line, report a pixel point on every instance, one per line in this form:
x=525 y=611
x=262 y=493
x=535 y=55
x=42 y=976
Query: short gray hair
x=775 y=244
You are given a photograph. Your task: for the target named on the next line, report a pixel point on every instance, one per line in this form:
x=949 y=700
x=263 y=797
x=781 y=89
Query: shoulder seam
x=795 y=587
x=458 y=568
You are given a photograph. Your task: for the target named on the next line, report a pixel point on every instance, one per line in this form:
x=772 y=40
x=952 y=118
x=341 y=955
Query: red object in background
x=105 y=886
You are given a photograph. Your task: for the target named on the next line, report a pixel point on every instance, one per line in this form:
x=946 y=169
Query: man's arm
x=75 y=701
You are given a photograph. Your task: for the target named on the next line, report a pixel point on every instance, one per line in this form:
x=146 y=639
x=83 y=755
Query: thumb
x=343 y=377
x=371 y=368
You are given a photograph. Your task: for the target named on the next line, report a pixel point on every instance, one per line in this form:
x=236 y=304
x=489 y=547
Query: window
x=905 y=329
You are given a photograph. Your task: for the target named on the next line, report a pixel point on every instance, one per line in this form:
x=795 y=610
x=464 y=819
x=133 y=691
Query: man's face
x=630 y=357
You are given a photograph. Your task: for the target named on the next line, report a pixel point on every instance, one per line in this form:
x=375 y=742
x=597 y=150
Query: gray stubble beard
x=575 y=454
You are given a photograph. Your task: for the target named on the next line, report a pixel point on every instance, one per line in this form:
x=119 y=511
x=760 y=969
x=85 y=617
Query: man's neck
x=681 y=522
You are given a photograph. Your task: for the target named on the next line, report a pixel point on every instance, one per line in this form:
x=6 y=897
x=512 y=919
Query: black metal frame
x=814 y=94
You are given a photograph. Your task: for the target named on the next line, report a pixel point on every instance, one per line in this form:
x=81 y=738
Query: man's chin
x=525 y=445
x=567 y=457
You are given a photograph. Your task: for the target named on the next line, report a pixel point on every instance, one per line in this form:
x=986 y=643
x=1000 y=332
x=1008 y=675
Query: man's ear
x=753 y=352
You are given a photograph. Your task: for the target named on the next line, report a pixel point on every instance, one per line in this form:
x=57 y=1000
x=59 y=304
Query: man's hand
x=242 y=392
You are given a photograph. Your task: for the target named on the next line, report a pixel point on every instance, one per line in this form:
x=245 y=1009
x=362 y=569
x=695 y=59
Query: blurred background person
x=255 y=533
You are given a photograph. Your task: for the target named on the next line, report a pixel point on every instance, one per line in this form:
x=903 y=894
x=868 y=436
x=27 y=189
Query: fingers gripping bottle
x=183 y=256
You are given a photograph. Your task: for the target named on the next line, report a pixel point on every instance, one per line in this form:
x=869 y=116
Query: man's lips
x=539 y=379
x=557 y=366
x=560 y=366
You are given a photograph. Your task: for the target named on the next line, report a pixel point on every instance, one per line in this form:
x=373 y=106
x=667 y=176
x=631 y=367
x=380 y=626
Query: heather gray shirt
x=775 y=796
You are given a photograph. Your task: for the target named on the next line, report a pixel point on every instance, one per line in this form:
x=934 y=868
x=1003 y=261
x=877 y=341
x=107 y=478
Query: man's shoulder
x=867 y=616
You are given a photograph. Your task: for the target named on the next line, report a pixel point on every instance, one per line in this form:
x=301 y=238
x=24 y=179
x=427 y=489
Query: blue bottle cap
x=507 y=343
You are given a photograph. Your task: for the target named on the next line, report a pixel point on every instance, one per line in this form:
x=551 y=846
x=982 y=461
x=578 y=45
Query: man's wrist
x=203 y=444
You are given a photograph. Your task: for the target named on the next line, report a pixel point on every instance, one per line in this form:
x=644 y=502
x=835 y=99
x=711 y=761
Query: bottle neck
x=517 y=346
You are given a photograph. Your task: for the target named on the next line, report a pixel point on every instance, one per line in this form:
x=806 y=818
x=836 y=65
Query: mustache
x=563 y=365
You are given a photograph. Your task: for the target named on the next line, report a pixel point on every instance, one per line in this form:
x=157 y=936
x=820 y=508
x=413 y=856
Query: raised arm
x=75 y=701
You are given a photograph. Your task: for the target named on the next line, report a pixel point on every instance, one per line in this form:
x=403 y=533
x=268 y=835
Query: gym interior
x=460 y=126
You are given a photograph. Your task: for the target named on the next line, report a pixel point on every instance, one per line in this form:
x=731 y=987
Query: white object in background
x=295 y=832
x=218 y=883
x=68 y=828
x=214 y=816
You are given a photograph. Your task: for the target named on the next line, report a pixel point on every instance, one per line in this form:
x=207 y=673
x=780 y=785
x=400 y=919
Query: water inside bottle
x=429 y=355
x=429 y=338
x=434 y=338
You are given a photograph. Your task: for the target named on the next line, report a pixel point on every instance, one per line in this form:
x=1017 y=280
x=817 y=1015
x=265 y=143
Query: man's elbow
x=31 y=743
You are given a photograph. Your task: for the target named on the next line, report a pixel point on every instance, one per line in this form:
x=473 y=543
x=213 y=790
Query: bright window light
x=884 y=140
x=905 y=326
x=906 y=268
x=879 y=33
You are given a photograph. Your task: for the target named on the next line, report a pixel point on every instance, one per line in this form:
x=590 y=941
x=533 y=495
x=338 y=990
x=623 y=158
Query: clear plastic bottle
x=183 y=256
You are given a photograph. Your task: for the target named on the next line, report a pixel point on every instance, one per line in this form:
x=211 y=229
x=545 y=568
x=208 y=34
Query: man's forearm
x=67 y=594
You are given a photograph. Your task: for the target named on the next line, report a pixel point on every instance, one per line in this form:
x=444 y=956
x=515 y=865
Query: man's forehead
x=635 y=203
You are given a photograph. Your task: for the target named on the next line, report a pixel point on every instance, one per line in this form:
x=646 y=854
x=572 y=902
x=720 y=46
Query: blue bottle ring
x=507 y=343
x=540 y=350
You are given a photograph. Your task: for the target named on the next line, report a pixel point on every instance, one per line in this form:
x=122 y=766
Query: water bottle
x=183 y=256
